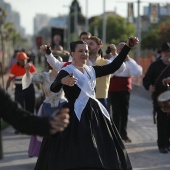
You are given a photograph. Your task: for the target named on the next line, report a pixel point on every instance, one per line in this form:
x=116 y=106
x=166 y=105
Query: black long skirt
x=89 y=144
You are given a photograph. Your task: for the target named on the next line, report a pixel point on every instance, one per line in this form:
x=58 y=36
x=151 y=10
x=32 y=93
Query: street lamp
x=104 y=25
x=75 y=20
x=75 y=9
x=87 y=22
x=68 y=27
x=138 y=48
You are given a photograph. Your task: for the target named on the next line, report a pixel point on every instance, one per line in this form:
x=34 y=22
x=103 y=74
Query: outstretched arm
x=115 y=64
x=54 y=63
x=27 y=123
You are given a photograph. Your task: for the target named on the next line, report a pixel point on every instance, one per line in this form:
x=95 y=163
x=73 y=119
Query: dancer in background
x=119 y=92
x=26 y=97
x=52 y=102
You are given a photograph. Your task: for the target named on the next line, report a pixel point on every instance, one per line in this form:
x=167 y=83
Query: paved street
x=143 y=151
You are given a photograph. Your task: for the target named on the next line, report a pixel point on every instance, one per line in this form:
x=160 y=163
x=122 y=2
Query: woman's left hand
x=69 y=80
x=132 y=41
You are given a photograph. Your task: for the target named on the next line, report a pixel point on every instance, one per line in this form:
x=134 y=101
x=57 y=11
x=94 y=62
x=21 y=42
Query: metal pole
x=68 y=28
x=1 y=148
x=87 y=22
x=75 y=21
x=68 y=32
x=96 y=30
x=138 y=48
x=104 y=26
x=1 y=71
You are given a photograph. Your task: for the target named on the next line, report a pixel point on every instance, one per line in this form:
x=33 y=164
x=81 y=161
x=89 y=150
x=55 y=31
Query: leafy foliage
x=164 y=31
x=3 y=15
x=156 y=35
x=117 y=29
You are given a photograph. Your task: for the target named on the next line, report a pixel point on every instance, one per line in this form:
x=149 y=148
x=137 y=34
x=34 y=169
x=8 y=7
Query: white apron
x=86 y=82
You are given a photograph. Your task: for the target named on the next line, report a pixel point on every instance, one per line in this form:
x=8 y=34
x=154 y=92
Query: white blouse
x=44 y=79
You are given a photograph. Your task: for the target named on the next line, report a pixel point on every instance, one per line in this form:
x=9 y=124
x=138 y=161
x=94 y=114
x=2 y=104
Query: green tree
x=117 y=29
x=156 y=35
x=3 y=15
x=151 y=40
x=164 y=30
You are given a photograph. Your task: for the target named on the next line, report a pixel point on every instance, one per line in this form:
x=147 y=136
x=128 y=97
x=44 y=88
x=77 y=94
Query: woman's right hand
x=43 y=48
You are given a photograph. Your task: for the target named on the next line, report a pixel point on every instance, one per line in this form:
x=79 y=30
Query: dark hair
x=165 y=46
x=85 y=33
x=159 y=51
x=96 y=39
x=74 y=44
x=100 y=52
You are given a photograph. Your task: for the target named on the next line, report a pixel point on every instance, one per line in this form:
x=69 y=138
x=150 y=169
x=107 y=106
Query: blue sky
x=28 y=9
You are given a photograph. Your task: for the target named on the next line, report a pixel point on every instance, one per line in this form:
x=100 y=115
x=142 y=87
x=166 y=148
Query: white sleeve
x=121 y=69
x=54 y=63
x=26 y=81
x=135 y=69
x=70 y=58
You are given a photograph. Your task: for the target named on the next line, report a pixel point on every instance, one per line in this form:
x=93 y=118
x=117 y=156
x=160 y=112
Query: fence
x=145 y=63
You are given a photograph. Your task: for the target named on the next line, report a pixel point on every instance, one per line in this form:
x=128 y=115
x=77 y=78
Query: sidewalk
x=143 y=151
x=15 y=149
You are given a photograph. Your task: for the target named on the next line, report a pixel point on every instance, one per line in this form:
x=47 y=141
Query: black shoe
x=126 y=140
x=163 y=150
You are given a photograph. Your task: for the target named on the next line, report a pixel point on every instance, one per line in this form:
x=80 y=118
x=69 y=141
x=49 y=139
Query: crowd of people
x=86 y=100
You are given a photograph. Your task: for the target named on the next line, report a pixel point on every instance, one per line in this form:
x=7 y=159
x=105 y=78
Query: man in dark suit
x=152 y=81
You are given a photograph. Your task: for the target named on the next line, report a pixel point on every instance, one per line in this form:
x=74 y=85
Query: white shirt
x=132 y=69
x=122 y=67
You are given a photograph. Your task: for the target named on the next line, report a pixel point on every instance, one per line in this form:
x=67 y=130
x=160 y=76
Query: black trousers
x=163 y=128
x=119 y=101
x=26 y=97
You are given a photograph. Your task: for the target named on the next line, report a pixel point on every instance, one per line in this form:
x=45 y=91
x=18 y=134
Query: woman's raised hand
x=132 y=41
